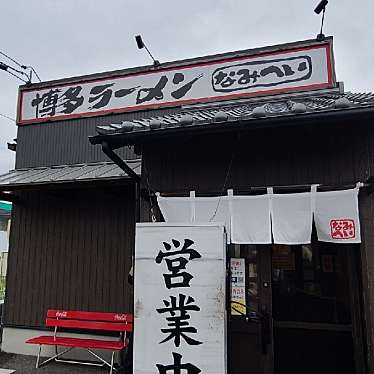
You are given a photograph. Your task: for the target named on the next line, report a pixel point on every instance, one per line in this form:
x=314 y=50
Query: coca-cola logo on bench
x=61 y=314
x=120 y=317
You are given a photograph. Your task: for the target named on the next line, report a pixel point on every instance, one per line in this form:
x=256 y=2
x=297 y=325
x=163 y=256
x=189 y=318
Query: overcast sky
x=74 y=37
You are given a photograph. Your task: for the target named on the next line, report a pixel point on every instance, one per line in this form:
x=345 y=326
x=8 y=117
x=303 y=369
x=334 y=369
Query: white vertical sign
x=180 y=317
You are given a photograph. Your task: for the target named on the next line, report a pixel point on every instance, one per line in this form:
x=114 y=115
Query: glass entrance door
x=300 y=311
x=313 y=289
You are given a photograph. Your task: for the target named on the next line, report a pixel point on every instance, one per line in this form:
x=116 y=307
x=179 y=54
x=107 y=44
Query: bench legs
x=57 y=355
x=111 y=364
x=104 y=362
x=39 y=364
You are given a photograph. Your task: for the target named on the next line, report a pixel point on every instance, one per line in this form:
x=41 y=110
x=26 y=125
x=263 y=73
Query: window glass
x=310 y=283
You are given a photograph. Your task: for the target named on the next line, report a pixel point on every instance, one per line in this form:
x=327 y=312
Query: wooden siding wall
x=69 y=250
x=66 y=142
x=323 y=153
x=366 y=204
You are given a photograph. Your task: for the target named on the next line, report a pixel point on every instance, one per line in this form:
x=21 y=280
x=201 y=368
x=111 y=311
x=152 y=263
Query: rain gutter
x=127 y=169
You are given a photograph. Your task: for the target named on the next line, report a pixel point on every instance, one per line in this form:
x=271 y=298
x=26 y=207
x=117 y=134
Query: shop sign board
x=299 y=68
x=179 y=310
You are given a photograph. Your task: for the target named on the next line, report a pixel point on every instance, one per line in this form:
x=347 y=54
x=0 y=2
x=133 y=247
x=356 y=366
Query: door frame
x=256 y=328
x=266 y=307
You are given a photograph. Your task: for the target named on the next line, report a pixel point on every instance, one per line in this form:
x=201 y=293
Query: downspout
x=131 y=173
x=136 y=178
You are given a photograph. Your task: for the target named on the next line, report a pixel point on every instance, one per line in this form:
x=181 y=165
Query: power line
x=22 y=67
x=37 y=75
x=224 y=185
x=10 y=118
x=13 y=60
x=6 y=68
x=14 y=75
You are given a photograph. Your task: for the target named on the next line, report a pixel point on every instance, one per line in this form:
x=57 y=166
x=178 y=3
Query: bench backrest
x=89 y=320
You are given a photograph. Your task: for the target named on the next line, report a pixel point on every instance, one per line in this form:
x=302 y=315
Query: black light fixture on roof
x=319 y=8
x=141 y=45
x=15 y=72
x=13 y=146
x=27 y=71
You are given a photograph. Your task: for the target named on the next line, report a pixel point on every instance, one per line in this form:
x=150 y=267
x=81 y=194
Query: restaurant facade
x=196 y=142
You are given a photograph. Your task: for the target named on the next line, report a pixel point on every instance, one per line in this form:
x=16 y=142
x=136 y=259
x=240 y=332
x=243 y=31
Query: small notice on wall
x=238 y=300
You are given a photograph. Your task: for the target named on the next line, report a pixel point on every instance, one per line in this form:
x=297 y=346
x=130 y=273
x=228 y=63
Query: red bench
x=114 y=322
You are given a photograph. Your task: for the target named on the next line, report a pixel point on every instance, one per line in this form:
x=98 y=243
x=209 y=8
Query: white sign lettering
x=179 y=315
x=294 y=69
x=120 y=317
x=61 y=314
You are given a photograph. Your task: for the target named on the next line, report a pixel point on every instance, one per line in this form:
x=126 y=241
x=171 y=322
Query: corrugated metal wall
x=69 y=250
x=66 y=142
x=321 y=153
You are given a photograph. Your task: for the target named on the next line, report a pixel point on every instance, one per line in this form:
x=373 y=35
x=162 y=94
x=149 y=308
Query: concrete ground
x=26 y=365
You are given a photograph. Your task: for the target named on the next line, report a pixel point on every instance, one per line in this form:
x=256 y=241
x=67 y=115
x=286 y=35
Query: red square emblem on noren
x=343 y=228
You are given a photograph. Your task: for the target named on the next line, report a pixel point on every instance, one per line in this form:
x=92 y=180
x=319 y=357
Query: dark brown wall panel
x=69 y=250
x=66 y=142
x=324 y=153
x=366 y=203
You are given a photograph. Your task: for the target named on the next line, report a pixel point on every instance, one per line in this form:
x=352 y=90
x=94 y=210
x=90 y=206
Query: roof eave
x=63 y=184
x=119 y=140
